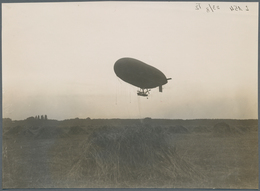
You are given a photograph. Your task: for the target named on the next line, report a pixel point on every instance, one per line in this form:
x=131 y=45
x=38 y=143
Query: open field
x=130 y=153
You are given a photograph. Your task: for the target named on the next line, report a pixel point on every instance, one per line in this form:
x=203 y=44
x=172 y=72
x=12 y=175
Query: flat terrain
x=130 y=153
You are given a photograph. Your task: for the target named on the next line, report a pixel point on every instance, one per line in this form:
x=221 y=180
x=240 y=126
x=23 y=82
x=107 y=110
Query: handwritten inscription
x=238 y=8
x=211 y=8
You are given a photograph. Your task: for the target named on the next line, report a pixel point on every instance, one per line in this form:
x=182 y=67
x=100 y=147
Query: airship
x=140 y=74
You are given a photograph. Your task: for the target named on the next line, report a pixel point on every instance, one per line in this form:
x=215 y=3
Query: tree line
x=42 y=117
x=38 y=117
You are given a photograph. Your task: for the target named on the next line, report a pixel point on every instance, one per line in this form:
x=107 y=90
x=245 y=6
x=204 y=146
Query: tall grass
x=131 y=156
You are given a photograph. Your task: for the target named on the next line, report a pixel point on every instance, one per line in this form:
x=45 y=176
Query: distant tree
x=38 y=117
x=30 y=118
x=7 y=120
x=42 y=117
x=45 y=117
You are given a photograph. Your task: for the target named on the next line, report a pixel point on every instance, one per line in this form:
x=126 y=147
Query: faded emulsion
x=200 y=133
x=139 y=74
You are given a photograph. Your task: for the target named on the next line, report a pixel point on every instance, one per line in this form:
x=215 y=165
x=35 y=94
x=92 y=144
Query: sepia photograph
x=130 y=94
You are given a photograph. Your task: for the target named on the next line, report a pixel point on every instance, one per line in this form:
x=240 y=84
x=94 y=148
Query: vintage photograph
x=130 y=94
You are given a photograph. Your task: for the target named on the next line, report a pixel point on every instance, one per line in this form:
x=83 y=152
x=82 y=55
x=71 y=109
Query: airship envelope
x=139 y=74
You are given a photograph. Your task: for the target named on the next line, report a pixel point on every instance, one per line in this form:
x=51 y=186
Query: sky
x=58 y=58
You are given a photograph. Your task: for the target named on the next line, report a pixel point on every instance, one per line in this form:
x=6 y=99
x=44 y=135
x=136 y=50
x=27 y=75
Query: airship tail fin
x=160 y=88
x=169 y=78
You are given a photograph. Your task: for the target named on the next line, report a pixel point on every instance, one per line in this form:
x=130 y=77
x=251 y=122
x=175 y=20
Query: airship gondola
x=140 y=74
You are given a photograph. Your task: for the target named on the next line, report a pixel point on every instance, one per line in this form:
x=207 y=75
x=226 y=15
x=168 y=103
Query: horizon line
x=147 y=118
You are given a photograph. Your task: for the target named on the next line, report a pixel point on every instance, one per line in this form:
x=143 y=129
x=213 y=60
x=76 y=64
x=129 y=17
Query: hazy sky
x=58 y=59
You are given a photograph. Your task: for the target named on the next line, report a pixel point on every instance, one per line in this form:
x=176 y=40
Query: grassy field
x=149 y=154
